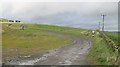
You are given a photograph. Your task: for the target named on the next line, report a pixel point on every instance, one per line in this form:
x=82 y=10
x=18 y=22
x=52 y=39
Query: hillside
x=3 y=20
x=39 y=38
x=114 y=36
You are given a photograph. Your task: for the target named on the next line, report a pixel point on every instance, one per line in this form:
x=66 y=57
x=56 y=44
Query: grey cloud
x=73 y=14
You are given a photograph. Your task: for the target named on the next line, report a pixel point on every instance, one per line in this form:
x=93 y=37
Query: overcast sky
x=73 y=14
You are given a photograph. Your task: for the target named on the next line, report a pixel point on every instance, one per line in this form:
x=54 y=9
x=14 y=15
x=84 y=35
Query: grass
x=16 y=42
x=33 y=40
x=114 y=36
x=67 y=30
x=101 y=51
x=3 y=20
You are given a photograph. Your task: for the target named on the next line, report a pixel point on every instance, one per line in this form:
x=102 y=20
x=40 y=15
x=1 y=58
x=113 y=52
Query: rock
x=27 y=56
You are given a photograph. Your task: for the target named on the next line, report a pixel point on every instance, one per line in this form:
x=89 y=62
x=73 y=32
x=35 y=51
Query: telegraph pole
x=103 y=16
x=99 y=26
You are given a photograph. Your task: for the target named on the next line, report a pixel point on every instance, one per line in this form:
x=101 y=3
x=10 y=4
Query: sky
x=72 y=14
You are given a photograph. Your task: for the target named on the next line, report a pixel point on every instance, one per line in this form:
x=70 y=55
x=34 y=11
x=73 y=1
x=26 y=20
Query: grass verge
x=101 y=53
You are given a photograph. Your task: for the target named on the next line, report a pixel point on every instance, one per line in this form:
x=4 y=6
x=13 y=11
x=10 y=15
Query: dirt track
x=71 y=54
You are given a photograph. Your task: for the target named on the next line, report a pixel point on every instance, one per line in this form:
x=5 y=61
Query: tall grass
x=102 y=53
x=114 y=36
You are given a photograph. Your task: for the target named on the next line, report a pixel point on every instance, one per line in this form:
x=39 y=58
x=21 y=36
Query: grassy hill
x=29 y=41
x=3 y=20
x=67 y=30
x=114 y=36
x=34 y=40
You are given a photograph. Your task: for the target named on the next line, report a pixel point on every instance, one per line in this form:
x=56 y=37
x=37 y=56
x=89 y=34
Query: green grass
x=114 y=36
x=67 y=30
x=33 y=40
x=101 y=51
x=29 y=41
x=3 y=20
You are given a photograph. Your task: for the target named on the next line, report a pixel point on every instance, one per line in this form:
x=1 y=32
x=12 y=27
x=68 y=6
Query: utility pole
x=99 y=26
x=103 y=16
